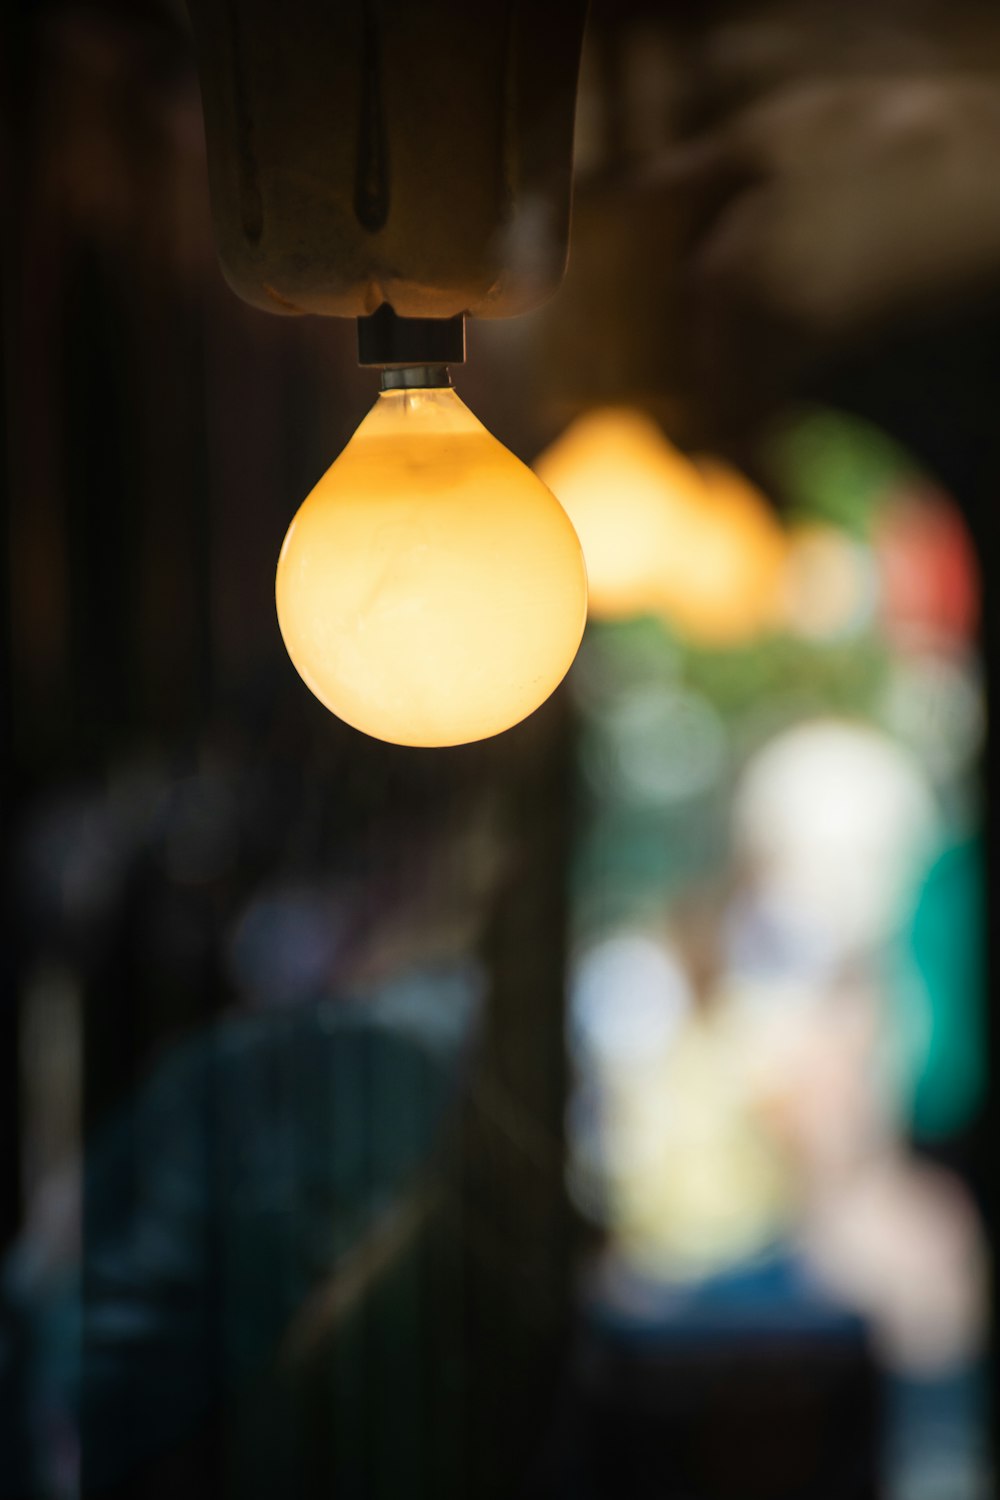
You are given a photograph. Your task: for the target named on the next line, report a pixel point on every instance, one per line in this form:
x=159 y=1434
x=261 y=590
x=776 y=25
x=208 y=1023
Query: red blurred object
x=929 y=578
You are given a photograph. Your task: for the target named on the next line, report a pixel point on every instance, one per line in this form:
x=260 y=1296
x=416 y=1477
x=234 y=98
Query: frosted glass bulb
x=430 y=590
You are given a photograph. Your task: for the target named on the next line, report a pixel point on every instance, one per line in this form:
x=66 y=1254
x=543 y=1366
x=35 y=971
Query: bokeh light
x=630 y=496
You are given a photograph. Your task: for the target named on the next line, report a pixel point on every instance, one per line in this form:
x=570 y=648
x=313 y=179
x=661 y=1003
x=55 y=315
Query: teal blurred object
x=261 y=1214
x=947 y=945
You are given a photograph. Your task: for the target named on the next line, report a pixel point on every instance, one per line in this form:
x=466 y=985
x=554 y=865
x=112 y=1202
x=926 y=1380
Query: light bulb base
x=389 y=342
x=415 y=377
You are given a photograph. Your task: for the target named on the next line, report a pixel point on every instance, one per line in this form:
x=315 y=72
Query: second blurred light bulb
x=430 y=590
x=692 y=542
x=629 y=494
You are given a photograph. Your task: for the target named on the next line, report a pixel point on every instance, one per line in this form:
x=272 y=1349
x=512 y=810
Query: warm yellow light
x=722 y=580
x=662 y=535
x=629 y=495
x=430 y=590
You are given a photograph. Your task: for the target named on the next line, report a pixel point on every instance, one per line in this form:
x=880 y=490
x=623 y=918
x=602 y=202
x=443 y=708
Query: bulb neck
x=415 y=377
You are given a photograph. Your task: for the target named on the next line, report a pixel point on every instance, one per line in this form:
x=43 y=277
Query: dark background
x=161 y=760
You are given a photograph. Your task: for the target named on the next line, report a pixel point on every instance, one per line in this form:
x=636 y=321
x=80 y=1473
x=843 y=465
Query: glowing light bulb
x=722 y=580
x=430 y=590
x=629 y=495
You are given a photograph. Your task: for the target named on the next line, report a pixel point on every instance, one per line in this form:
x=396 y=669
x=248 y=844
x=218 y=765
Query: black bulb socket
x=388 y=342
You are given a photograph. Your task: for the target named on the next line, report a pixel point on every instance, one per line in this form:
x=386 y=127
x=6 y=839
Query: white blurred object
x=902 y=1242
x=629 y=994
x=834 y=822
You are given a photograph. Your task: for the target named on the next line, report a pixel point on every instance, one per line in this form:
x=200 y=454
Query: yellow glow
x=662 y=535
x=430 y=590
x=630 y=495
x=723 y=577
x=698 y=1181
